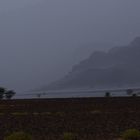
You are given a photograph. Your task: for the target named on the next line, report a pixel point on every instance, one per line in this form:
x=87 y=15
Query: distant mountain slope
x=118 y=67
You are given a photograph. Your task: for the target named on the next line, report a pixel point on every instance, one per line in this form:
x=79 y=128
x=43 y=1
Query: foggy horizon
x=38 y=39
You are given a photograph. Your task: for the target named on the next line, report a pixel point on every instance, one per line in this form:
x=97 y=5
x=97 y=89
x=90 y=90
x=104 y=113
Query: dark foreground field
x=88 y=118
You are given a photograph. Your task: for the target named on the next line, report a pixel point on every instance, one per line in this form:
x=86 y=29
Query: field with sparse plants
x=79 y=118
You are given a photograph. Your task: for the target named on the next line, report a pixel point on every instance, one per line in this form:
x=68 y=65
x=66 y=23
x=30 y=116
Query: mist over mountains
x=119 y=67
x=41 y=40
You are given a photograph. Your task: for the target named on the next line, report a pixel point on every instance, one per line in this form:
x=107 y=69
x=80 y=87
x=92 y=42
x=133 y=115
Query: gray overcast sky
x=38 y=37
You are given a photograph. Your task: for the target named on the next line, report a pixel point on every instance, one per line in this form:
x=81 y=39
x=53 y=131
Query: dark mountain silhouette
x=119 y=67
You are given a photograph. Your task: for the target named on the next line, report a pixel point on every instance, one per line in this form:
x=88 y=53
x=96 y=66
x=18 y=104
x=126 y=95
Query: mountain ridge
x=118 y=67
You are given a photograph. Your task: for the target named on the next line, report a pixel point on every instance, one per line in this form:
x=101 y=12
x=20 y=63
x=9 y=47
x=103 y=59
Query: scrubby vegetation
x=18 y=136
x=69 y=136
x=58 y=119
x=131 y=134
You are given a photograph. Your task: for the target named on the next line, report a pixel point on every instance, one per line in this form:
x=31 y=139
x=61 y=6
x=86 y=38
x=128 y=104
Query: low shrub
x=69 y=136
x=19 y=136
x=131 y=134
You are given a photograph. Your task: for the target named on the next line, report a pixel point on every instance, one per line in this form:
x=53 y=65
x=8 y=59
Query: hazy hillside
x=118 y=67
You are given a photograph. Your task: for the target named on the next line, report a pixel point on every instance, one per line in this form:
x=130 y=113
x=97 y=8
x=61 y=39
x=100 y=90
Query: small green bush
x=69 y=136
x=131 y=134
x=18 y=136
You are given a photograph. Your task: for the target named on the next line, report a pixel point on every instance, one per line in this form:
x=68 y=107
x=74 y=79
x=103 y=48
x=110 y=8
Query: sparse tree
x=134 y=95
x=131 y=92
x=107 y=94
x=2 y=92
x=9 y=94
